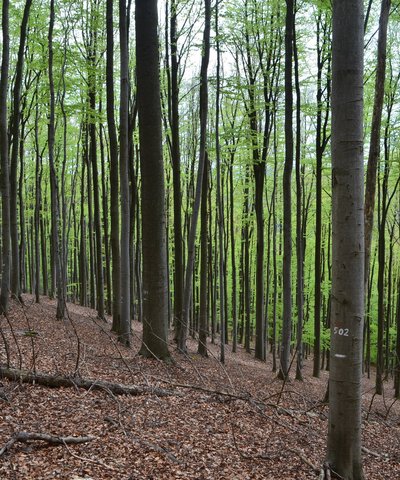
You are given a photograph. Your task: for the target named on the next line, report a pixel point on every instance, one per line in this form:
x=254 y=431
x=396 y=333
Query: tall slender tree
x=287 y=197
x=199 y=182
x=176 y=169
x=113 y=154
x=5 y=183
x=15 y=131
x=125 y=306
x=374 y=148
x=55 y=210
x=155 y=282
x=347 y=304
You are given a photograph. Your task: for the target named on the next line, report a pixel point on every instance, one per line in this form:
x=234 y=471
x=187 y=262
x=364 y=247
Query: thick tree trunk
x=155 y=281
x=347 y=305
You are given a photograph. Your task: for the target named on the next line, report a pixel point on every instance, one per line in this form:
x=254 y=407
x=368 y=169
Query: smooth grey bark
x=125 y=305
x=347 y=301
x=374 y=146
x=155 y=281
x=176 y=171
x=219 y=199
x=187 y=295
x=14 y=127
x=299 y=220
x=203 y=300
x=38 y=200
x=55 y=210
x=5 y=184
x=113 y=158
x=92 y=81
x=287 y=196
x=321 y=141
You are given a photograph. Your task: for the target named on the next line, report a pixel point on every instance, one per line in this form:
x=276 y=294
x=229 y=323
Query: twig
x=156 y=448
x=90 y=460
x=243 y=455
x=370 y=406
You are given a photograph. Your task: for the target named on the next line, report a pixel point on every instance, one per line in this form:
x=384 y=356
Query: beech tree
x=347 y=307
x=287 y=198
x=57 y=272
x=5 y=185
x=155 y=284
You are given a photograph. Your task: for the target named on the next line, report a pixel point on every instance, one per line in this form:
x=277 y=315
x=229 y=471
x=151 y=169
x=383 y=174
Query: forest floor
x=234 y=422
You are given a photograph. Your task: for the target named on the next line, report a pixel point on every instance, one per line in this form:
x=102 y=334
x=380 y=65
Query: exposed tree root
x=57 y=381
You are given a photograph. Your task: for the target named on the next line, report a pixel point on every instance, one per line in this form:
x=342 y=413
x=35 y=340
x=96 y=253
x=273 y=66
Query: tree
x=125 y=306
x=5 y=184
x=374 y=149
x=112 y=135
x=176 y=170
x=155 y=283
x=287 y=199
x=55 y=210
x=15 y=130
x=321 y=142
x=199 y=182
x=347 y=305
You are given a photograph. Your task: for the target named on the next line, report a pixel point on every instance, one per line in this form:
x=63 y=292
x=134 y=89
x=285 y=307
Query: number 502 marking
x=341 y=331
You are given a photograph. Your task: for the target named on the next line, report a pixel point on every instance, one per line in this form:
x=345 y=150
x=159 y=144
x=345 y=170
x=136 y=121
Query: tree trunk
x=320 y=146
x=203 y=313
x=14 y=128
x=5 y=184
x=202 y=152
x=55 y=211
x=374 y=148
x=347 y=305
x=113 y=154
x=219 y=198
x=299 y=227
x=155 y=281
x=176 y=172
x=287 y=196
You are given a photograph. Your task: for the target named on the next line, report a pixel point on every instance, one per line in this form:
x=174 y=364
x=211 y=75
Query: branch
x=57 y=381
x=24 y=437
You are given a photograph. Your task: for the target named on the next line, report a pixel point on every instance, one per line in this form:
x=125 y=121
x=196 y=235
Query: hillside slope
x=216 y=422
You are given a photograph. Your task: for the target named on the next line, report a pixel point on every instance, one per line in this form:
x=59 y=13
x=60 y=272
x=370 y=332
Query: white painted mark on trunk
x=339 y=355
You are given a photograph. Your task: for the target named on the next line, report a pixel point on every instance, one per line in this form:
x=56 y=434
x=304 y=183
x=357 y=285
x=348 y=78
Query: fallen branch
x=57 y=381
x=374 y=454
x=24 y=437
x=156 y=448
x=304 y=459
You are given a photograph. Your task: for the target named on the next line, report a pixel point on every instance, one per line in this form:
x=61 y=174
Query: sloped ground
x=195 y=433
